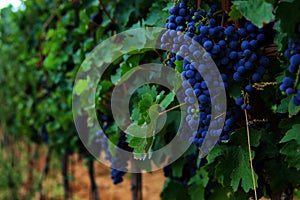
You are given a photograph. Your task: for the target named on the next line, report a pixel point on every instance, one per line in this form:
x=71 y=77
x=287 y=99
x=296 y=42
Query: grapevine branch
x=103 y=8
x=297 y=77
x=161 y=58
x=173 y=108
x=198 y=3
x=250 y=154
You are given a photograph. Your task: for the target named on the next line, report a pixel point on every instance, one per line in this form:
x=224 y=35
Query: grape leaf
x=258 y=12
x=232 y=167
x=174 y=190
x=235 y=13
x=284 y=104
x=290 y=9
x=198 y=184
x=157 y=16
x=235 y=90
x=178 y=65
x=167 y=100
x=242 y=173
x=177 y=167
x=292 y=147
x=137 y=143
x=279 y=181
x=292 y=134
x=145 y=102
x=116 y=77
x=293 y=110
x=196 y=192
x=146 y=89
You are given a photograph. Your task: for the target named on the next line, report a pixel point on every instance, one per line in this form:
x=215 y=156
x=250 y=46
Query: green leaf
x=157 y=121
x=235 y=13
x=196 y=192
x=292 y=134
x=284 y=104
x=168 y=100
x=292 y=149
x=174 y=190
x=80 y=86
x=145 y=102
x=138 y=144
x=146 y=89
x=293 y=110
x=258 y=12
x=232 y=166
x=177 y=167
x=242 y=173
x=198 y=184
x=235 y=90
x=136 y=130
x=279 y=181
x=116 y=77
x=105 y=86
x=179 y=65
x=157 y=16
x=289 y=16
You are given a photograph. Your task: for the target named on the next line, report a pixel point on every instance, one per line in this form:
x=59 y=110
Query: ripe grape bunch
x=237 y=52
x=290 y=83
x=118 y=162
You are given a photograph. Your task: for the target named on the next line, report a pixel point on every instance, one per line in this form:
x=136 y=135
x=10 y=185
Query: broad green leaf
x=235 y=13
x=177 y=167
x=145 y=102
x=258 y=12
x=292 y=152
x=292 y=134
x=283 y=106
x=242 y=173
x=279 y=181
x=289 y=16
x=293 y=110
x=196 y=192
x=168 y=100
x=149 y=90
x=136 y=130
x=157 y=121
x=233 y=167
x=292 y=147
x=157 y=16
x=174 y=190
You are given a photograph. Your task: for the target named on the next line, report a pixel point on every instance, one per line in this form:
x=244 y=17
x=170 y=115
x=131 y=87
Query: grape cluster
x=118 y=162
x=102 y=138
x=289 y=83
x=97 y=19
x=237 y=52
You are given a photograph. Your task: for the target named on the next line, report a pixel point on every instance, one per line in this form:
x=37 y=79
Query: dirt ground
x=80 y=183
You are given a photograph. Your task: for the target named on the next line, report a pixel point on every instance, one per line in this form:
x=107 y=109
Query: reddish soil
x=152 y=184
x=80 y=183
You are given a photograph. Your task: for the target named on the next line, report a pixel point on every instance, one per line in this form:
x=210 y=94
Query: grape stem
x=297 y=77
x=250 y=154
x=173 y=108
x=103 y=8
